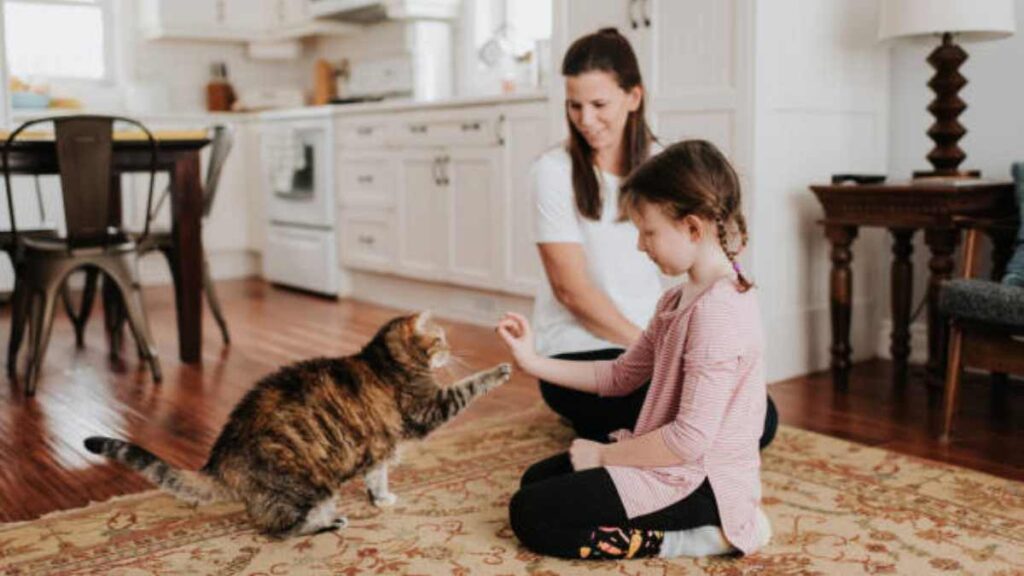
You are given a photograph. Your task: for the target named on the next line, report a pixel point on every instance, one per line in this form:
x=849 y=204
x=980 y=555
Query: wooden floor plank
x=43 y=466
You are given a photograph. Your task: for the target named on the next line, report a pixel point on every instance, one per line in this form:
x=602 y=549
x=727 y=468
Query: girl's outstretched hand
x=517 y=335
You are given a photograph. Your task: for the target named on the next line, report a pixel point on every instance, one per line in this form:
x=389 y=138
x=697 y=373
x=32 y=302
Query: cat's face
x=430 y=338
x=417 y=341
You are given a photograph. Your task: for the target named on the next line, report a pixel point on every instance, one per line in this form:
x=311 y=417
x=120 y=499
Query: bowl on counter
x=29 y=100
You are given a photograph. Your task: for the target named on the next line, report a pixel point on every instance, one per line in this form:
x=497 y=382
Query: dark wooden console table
x=904 y=208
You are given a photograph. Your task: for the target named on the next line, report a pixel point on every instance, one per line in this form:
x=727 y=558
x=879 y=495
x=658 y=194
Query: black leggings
x=593 y=417
x=559 y=512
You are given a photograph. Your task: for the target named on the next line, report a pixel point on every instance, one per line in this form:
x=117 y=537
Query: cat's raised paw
x=504 y=370
x=385 y=500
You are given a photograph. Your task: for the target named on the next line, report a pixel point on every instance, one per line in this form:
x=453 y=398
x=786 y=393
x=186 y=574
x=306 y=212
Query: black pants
x=594 y=417
x=559 y=512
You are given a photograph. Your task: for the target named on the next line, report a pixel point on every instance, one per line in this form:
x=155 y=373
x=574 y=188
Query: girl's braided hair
x=693 y=177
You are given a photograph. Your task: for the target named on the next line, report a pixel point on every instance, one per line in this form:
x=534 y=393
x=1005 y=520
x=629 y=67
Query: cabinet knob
x=364 y=130
x=366 y=239
x=365 y=179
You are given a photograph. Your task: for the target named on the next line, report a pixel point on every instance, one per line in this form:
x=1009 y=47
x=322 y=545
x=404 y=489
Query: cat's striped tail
x=191 y=486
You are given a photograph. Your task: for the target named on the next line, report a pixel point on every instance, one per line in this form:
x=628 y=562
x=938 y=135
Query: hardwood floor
x=43 y=466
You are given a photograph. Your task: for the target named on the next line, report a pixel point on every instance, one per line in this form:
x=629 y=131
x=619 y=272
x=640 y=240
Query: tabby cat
x=303 y=431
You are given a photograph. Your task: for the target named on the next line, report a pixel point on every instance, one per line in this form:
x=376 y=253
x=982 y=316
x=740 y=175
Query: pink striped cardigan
x=707 y=399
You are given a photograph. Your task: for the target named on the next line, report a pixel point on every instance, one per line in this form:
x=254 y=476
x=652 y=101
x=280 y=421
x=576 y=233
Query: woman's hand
x=515 y=331
x=586 y=454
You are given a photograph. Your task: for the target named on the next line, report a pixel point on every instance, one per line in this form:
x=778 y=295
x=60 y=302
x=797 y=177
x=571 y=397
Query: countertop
x=204 y=117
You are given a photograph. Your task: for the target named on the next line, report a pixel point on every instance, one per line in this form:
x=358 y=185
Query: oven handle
x=292 y=195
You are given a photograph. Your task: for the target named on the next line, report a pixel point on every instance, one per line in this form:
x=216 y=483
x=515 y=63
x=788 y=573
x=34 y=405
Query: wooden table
x=178 y=154
x=904 y=208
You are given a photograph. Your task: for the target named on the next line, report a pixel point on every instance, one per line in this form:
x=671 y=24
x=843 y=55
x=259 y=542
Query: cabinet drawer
x=362 y=135
x=471 y=130
x=367 y=239
x=365 y=182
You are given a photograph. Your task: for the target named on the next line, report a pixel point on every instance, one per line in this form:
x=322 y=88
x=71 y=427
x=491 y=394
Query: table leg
x=186 y=228
x=901 y=295
x=942 y=243
x=841 y=300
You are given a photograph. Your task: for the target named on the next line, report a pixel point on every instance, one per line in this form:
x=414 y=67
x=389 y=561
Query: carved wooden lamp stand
x=966 y=20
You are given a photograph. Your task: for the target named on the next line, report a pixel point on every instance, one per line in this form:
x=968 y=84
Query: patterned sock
x=609 y=542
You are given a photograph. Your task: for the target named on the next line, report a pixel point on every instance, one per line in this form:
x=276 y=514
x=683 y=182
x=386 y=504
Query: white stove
x=301 y=251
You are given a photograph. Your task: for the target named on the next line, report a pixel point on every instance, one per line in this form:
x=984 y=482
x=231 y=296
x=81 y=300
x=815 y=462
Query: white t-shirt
x=614 y=264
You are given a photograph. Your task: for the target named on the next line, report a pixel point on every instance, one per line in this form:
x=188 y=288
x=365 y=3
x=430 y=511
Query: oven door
x=296 y=163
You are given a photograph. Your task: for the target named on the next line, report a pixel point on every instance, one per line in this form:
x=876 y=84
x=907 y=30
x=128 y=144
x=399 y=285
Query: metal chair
x=84 y=158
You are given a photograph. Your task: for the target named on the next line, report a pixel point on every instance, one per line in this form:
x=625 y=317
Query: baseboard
x=918 y=341
x=798 y=341
x=479 y=307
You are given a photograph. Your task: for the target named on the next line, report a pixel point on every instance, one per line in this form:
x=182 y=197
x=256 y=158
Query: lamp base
x=946 y=131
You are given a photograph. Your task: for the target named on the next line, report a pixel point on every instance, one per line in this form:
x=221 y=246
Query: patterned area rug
x=836 y=508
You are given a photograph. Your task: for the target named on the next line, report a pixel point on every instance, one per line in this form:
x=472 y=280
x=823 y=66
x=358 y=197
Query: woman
x=601 y=290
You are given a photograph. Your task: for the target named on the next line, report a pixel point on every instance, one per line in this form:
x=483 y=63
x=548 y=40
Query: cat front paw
x=386 y=500
x=502 y=371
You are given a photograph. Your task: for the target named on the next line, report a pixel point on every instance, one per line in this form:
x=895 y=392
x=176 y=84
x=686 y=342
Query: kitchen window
x=59 y=39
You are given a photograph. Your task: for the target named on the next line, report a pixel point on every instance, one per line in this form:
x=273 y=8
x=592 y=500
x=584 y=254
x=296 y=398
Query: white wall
x=821 y=107
x=994 y=121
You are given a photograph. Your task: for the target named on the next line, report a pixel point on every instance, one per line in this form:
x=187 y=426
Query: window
x=60 y=39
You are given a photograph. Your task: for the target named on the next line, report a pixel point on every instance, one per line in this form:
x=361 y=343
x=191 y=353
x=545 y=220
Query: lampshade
x=969 y=19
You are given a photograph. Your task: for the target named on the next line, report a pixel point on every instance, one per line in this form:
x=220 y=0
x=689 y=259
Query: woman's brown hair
x=692 y=178
x=604 y=51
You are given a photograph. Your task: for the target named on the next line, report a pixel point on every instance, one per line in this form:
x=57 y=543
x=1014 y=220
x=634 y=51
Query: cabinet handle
x=365 y=179
x=364 y=130
x=366 y=239
x=632 y=20
x=418 y=129
x=220 y=11
x=499 y=130
x=470 y=126
x=435 y=171
x=443 y=164
x=646 y=12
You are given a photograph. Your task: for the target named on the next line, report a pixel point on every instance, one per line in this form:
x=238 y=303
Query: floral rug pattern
x=835 y=507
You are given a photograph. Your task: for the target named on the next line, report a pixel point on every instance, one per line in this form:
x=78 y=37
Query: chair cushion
x=983 y=301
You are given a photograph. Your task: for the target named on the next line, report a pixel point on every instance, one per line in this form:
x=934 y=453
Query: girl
x=685 y=480
x=600 y=291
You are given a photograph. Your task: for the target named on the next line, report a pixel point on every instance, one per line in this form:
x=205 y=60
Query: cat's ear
x=421 y=320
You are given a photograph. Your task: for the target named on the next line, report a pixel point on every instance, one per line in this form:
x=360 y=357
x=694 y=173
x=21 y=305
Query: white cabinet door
x=587 y=16
x=693 y=46
x=183 y=14
x=525 y=140
x=245 y=15
x=423 y=230
x=472 y=177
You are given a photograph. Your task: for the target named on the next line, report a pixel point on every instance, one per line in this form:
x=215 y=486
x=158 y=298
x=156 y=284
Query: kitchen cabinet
x=233 y=20
x=442 y=195
x=525 y=138
x=423 y=214
x=472 y=178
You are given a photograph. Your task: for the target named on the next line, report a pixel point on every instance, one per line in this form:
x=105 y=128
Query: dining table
x=178 y=153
